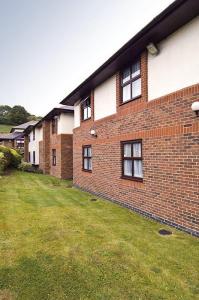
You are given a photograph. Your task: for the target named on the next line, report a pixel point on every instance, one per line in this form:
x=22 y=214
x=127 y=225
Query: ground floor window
x=54 y=158
x=132 y=165
x=34 y=157
x=29 y=157
x=87 y=158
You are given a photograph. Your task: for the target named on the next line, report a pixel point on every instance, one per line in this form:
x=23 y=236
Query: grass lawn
x=5 y=128
x=57 y=244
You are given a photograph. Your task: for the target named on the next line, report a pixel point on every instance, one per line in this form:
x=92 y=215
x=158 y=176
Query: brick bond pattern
x=63 y=143
x=170 y=134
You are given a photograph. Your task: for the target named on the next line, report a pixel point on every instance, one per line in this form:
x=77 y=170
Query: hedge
x=8 y=158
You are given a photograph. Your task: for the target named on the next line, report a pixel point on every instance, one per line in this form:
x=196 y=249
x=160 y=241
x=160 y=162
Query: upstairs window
x=87 y=158
x=54 y=125
x=86 y=108
x=54 y=158
x=132 y=160
x=131 y=82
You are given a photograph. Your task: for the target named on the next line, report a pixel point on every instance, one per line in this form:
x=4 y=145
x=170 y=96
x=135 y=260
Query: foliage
x=15 y=158
x=15 y=115
x=27 y=167
x=18 y=115
x=2 y=163
x=4 y=113
x=8 y=158
x=58 y=244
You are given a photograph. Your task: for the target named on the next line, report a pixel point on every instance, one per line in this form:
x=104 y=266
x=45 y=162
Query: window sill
x=87 y=171
x=138 y=97
x=132 y=178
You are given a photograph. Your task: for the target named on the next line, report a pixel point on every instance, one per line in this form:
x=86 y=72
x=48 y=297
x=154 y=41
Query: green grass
x=5 y=128
x=57 y=244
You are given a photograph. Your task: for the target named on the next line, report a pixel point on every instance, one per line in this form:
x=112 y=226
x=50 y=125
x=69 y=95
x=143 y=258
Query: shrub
x=7 y=155
x=2 y=163
x=15 y=158
x=27 y=167
x=8 y=158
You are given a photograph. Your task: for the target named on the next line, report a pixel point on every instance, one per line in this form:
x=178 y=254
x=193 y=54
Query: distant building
x=15 y=139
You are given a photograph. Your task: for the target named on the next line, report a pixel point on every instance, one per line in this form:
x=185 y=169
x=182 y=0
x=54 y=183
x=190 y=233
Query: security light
x=195 y=107
x=93 y=132
x=153 y=49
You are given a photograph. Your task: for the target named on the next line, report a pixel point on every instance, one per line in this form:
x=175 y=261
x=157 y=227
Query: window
x=86 y=108
x=131 y=82
x=33 y=157
x=33 y=134
x=87 y=158
x=132 y=160
x=54 y=125
x=54 y=157
x=29 y=157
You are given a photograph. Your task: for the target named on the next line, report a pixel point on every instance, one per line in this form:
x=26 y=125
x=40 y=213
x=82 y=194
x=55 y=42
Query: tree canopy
x=15 y=115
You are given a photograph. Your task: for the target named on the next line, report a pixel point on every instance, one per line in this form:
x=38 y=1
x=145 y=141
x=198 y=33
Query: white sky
x=48 y=47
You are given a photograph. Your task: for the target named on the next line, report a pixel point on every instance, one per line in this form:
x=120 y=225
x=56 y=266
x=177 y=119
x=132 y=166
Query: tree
x=18 y=115
x=4 y=114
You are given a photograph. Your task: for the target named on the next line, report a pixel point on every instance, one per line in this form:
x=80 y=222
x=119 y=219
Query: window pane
x=127 y=150
x=128 y=167
x=89 y=112
x=126 y=92
x=89 y=151
x=136 y=88
x=136 y=69
x=126 y=75
x=85 y=113
x=137 y=150
x=138 y=168
x=85 y=151
x=85 y=163
x=89 y=164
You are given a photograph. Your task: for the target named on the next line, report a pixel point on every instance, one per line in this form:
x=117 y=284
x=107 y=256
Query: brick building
x=136 y=138
x=49 y=144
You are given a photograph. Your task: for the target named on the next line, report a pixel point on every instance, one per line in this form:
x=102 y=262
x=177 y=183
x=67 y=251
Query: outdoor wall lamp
x=153 y=49
x=93 y=132
x=195 y=107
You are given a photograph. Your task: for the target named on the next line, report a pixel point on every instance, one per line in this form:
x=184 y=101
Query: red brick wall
x=7 y=143
x=41 y=155
x=46 y=147
x=26 y=151
x=170 y=135
x=63 y=143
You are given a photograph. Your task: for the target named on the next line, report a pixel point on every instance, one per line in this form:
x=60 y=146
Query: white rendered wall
x=65 y=123
x=34 y=145
x=177 y=64
x=105 y=99
x=77 y=115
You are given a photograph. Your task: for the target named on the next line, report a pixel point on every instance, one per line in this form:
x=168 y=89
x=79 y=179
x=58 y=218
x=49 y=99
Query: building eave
x=168 y=21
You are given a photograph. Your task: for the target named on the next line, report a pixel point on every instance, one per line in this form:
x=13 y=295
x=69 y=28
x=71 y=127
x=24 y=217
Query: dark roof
x=172 y=18
x=11 y=136
x=54 y=112
x=23 y=126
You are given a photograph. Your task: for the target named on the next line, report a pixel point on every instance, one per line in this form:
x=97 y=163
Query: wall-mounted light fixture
x=153 y=49
x=93 y=132
x=195 y=107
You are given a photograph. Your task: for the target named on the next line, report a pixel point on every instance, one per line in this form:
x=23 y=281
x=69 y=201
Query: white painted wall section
x=105 y=99
x=34 y=144
x=177 y=64
x=76 y=115
x=65 y=123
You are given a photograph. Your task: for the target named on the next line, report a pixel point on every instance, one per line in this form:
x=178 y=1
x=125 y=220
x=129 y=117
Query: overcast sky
x=48 y=47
